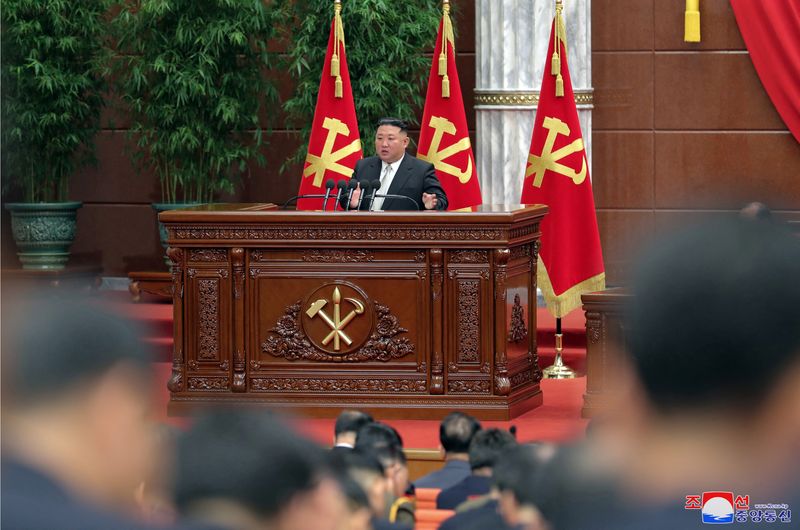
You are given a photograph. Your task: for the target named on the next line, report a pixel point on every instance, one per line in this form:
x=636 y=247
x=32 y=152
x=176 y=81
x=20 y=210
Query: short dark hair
x=377 y=435
x=520 y=471
x=54 y=345
x=394 y=122
x=714 y=320
x=248 y=457
x=456 y=432
x=487 y=446
x=351 y=421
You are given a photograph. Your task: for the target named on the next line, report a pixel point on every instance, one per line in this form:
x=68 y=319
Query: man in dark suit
x=398 y=172
x=455 y=433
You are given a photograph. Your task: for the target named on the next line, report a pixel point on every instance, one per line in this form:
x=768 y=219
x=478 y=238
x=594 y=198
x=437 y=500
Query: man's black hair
x=394 y=122
x=351 y=421
x=456 y=432
x=487 y=446
x=377 y=435
x=52 y=346
x=519 y=470
x=246 y=457
x=714 y=318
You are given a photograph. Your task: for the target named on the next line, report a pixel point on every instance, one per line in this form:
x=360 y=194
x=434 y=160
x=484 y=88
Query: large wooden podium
x=406 y=314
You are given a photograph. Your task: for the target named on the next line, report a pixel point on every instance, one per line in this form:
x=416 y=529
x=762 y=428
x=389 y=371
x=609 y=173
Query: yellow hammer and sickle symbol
x=549 y=158
x=437 y=157
x=337 y=323
x=329 y=159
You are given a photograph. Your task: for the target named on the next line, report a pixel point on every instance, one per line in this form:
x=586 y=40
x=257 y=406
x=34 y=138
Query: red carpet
x=558 y=419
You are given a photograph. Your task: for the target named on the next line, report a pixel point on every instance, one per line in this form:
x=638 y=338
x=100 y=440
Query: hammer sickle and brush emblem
x=437 y=155
x=337 y=324
x=550 y=159
x=330 y=159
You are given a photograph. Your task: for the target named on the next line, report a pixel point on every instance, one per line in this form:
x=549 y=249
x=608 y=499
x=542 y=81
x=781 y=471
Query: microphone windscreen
x=330 y=184
x=376 y=184
x=352 y=184
x=365 y=184
x=341 y=184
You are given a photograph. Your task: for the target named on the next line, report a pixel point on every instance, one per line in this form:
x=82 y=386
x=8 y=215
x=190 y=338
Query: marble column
x=511 y=44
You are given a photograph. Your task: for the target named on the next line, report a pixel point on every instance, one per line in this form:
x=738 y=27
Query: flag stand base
x=558 y=370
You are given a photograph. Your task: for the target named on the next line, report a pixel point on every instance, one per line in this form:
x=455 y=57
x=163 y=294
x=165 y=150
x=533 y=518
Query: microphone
x=312 y=196
x=341 y=185
x=328 y=187
x=388 y=196
x=365 y=185
x=351 y=186
x=376 y=185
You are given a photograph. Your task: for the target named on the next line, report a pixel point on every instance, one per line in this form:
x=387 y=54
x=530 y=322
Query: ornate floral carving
x=257 y=255
x=208 y=322
x=594 y=332
x=521 y=378
x=176 y=257
x=519 y=331
x=468 y=386
x=536 y=246
x=338 y=255
x=176 y=380
x=193 y=365
x=524 y=231
x=355 y=233
x=484 y=274
x=452 y=273
x=289 y=342
x=452 y=367
x=255 y=365
x=237 y=258
x=224 y=365
x=284 y=384
x=486 y=368
x=422 y=274
x=469 y=256
x=521 y=252
x=423 y=367
x=208 y=254
x=419 y=256
x=208 y=383
x=468 y=320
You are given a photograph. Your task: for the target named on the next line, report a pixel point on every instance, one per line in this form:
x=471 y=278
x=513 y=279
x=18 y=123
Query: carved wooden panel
x=354 y=233
x=468 y=321
x=208 y=323
x=208 y=254
x=303 y=384
x=468 y=386
x=208 y=383
x=469 y=256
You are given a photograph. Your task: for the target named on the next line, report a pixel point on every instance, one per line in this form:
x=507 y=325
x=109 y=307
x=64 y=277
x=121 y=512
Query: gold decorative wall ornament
x=524 y=98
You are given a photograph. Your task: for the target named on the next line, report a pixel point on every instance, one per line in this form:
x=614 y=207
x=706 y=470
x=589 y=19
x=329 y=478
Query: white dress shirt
x=386 y=181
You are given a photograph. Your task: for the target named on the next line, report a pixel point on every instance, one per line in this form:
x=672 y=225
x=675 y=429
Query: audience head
x=348 y=424
x=486 y=448
x=384 y=443
x=756 y=211
x=245 y=469
x=456 y=432
x=714 y=320
x=368 y=473
x=76 y=395
x=517 y=477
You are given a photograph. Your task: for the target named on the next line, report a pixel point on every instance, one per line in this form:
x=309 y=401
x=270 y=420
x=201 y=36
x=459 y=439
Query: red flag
x=444 y=137
x=570 y=257
x=334 y=146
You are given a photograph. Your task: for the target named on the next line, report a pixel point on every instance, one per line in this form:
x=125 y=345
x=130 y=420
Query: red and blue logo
x=722 y=507
x=717 y=507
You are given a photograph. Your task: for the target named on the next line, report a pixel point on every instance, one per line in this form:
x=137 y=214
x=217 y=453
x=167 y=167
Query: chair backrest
x=426 y=498
x=431 y=519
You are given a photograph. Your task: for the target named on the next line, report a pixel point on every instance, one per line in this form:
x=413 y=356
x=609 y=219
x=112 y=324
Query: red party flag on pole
x=570 y=257
x=444 y=137
x=334 y=146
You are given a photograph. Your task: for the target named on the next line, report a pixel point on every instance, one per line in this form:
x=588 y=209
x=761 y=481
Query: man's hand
x=355 y=197
x=430 y=201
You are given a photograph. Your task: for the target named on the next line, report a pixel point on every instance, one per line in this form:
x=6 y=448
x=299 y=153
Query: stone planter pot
x=43 y=232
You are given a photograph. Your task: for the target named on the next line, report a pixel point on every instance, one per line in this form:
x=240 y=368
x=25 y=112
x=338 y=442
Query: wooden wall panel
x=682 y=131
x=726 y=170
x=711 y=91
x=621 y=165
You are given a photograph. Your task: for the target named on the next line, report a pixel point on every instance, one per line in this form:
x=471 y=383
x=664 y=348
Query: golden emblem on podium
x=337 y=320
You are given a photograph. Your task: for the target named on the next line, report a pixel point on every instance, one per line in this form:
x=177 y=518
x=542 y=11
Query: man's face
x=390 y=143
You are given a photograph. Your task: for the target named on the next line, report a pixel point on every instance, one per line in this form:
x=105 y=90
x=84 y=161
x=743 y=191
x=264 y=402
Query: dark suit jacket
x=454 y=471
x=413 y=177
x=33 y=501
x=472 y=486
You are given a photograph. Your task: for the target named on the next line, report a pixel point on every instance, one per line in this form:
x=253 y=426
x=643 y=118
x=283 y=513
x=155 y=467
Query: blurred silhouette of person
x=484 y=451
x=347 y=425
x=756 y=211
x=712 y=401
x=77 y=430
x=246 y=470
x=455 y=434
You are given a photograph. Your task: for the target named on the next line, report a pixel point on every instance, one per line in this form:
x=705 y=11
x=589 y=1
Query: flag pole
x=558 y=370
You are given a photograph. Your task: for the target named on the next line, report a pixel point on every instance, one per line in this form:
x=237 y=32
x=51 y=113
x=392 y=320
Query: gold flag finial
x=691 y=21
x=559 y=36
x=447 y=36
